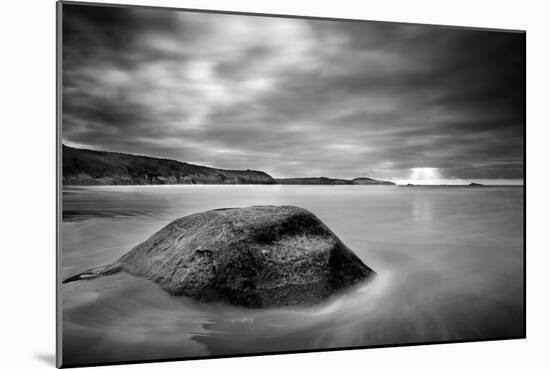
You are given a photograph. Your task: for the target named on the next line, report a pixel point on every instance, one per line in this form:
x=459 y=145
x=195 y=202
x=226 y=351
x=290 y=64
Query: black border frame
x=59 y=186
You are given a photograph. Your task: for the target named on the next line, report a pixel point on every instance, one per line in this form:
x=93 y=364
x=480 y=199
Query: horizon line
x=397 y=181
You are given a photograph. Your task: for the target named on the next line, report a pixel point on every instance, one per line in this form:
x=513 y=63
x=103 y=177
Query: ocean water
x=449 y=263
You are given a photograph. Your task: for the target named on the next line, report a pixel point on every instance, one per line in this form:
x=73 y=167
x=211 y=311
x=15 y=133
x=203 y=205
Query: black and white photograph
x=235 y=184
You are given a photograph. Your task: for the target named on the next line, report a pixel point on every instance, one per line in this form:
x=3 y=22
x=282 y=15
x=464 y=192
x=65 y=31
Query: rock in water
x=257 y=256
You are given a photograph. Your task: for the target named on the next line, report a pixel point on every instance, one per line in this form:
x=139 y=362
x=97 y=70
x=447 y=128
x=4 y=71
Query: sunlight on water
x=449 y=264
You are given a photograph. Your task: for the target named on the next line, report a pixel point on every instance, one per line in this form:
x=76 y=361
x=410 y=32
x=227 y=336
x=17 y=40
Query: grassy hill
x=90 y=167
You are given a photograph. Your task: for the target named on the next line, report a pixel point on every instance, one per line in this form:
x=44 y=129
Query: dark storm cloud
x=294 y=97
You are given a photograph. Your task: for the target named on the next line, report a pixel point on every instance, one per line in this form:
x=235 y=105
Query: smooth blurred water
x=449 y=263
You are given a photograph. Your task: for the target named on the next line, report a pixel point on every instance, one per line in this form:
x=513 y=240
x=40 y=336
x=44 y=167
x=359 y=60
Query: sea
x=449 y=263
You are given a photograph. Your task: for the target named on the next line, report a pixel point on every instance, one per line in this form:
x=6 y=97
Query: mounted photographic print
x=241 y=184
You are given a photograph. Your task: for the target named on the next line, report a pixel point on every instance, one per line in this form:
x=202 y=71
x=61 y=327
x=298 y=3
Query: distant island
x=90 y=167
x=331 y=181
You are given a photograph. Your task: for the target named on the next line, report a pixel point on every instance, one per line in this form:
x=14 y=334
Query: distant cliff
x=90 y=167
x=331 y=181
x=370 y=181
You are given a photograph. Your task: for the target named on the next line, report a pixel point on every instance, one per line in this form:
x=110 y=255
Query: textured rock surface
x=256 y=257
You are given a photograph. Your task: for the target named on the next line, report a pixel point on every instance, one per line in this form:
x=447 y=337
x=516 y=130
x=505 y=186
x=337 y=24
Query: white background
x=27 y=221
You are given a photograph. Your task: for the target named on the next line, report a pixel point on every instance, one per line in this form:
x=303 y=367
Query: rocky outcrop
x=256 y=257
x=90 y=167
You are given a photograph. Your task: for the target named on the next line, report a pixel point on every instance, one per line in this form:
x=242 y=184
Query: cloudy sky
x=295 y=97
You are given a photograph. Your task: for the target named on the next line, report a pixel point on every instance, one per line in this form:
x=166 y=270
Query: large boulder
x=257 y=256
